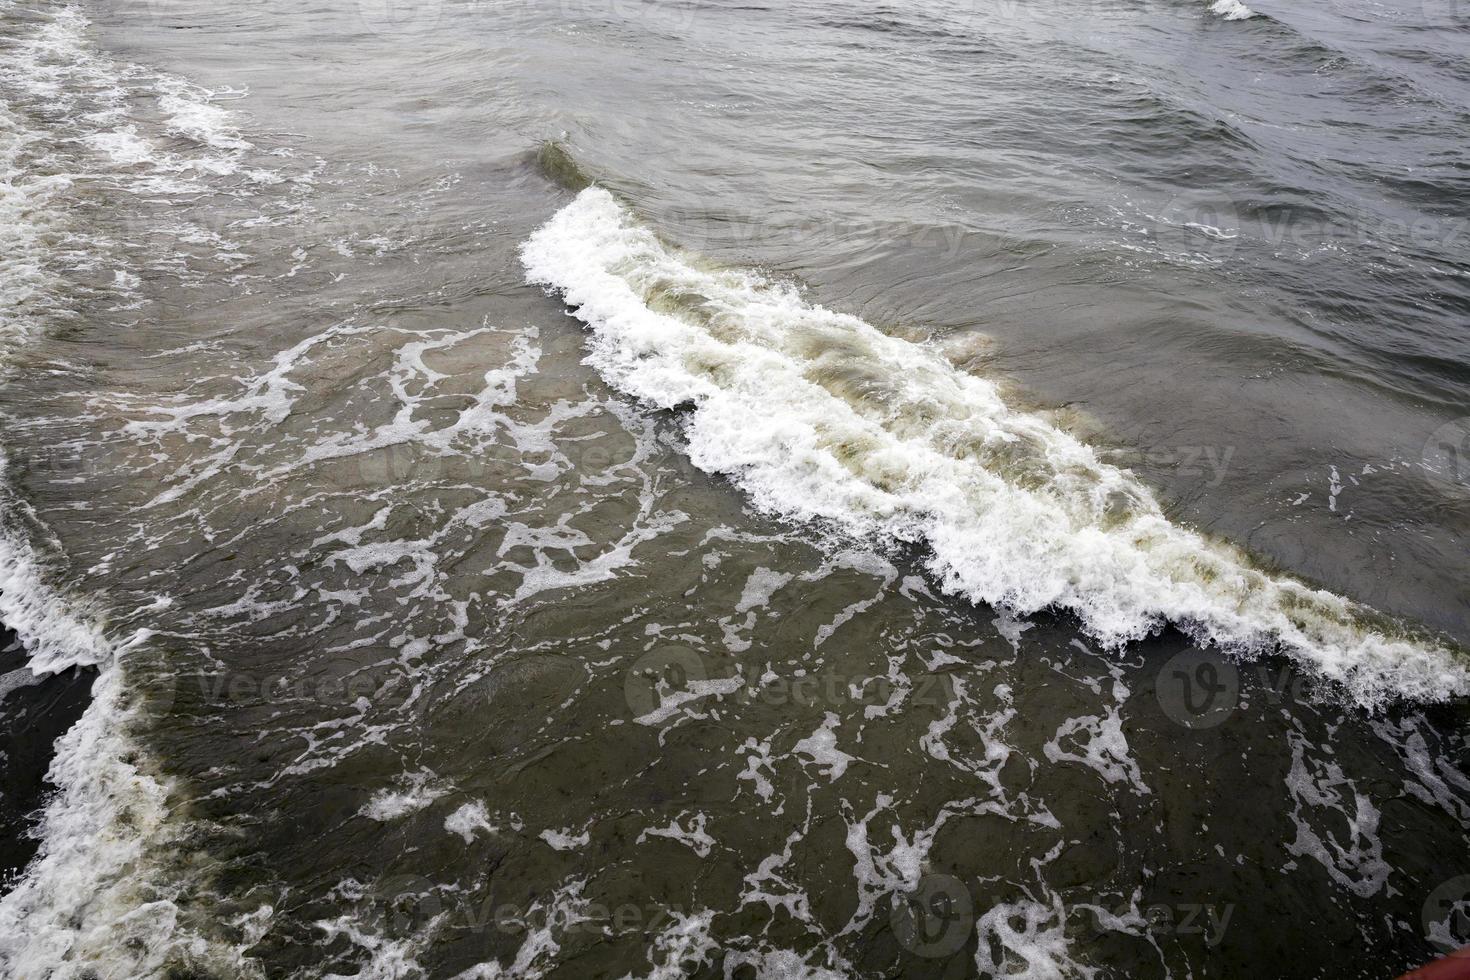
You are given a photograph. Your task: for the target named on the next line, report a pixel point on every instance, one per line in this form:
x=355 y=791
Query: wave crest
x=819 y=416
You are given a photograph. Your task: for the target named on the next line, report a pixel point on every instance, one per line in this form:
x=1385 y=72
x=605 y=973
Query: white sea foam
x=1336 y=821
x=820 y=416
x=821 y=747
x=97 y=901
x=469 y=820
x=1026 y=940
x=547 y=919
x=762 y=584
x=30 y=216
x=192 y=113
x=57 y=65
x=565 y=840
x=1098 y=741
x=55 y=634
x=694 y=837
x=1231 y=10
x=685 y=942
x=78 y=905
x=81 y=903
x=417 y=793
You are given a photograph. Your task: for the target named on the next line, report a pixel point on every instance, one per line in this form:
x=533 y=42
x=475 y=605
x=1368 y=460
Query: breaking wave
x=99 y=900
x=95 y=902
x=820 y=416
x=1231 y=10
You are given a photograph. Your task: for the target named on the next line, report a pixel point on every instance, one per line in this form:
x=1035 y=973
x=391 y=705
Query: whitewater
x=819 y=416
x=479 y=573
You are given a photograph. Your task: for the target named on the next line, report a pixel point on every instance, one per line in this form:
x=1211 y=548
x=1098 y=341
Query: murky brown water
x=773 y=615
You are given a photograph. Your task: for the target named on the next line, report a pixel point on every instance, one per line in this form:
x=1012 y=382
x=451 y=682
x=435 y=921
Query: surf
x=104 y=895
x=821 y=418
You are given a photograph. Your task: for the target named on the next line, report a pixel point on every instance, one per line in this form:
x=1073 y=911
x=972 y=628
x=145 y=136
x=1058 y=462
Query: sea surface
x=657 y=488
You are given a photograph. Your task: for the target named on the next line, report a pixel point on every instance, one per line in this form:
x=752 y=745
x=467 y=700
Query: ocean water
x=655 y=488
